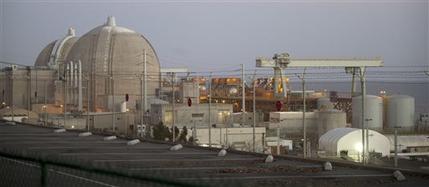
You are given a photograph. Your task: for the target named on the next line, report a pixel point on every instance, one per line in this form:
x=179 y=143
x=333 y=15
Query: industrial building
x=196 y=115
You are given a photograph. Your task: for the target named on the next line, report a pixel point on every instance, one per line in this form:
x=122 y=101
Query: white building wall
x=239 y=138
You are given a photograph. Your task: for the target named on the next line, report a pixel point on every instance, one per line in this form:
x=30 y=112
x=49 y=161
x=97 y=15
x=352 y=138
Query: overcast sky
x=213 y=35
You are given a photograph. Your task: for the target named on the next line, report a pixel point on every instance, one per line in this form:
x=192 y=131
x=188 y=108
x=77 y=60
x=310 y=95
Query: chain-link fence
x=27 y=170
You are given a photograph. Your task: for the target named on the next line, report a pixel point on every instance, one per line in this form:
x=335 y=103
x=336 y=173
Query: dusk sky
x=213 y=35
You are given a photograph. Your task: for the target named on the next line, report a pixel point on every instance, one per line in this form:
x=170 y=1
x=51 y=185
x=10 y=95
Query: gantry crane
x=283 y=60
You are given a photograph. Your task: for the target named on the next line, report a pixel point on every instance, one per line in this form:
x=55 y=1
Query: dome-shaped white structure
x=113 y=61
x=350 y=140
x=373 y=112
x=399 y=111
x=55 y=53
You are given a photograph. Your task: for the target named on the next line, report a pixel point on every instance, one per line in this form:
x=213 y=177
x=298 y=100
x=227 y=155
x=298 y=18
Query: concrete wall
x=21 y=85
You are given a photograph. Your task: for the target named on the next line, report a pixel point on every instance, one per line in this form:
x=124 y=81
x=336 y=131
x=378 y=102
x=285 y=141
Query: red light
x=279 y=105
x=189 y=102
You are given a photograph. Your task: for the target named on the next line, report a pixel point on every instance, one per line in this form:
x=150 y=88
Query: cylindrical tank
x=124 y=106
x=328 y=120
x=399 y=111
x=373 y=112
x=324 y=103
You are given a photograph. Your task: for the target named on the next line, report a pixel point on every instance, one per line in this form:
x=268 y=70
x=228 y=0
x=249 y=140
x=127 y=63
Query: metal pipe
x=70 y=84
x=113 y=103
x=141 y=99
x=87 y=104
x=65 y=93
x=80 y=107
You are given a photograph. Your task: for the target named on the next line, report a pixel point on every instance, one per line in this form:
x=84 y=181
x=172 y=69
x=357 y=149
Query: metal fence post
x=43 y=174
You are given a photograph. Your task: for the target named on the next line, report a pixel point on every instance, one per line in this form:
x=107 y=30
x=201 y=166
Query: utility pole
x=243 y=94
x=303 y=114
x=363 y=90
x=11 y=96
x=210 y=107
x=173 y=101
x=396 y=147
x=254 y=111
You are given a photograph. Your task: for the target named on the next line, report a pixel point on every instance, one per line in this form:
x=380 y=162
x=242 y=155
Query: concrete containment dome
x=55 y=53
x=112 y=60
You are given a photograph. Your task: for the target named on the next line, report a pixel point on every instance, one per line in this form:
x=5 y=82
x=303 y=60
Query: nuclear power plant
x=110 y=80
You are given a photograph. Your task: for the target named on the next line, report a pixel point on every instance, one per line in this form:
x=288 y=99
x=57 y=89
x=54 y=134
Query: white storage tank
x=400 y=111
x=329 y=120
x=324 y=103
x=373 y=112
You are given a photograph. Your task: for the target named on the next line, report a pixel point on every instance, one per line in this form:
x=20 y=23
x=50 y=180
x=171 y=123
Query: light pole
x=173 y=101
x=243 y=95
x=210 y=105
